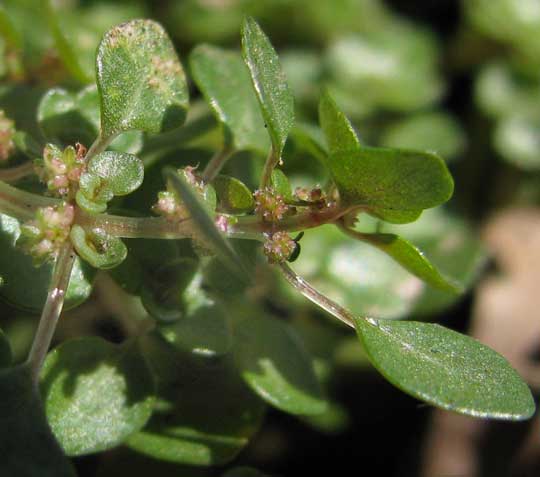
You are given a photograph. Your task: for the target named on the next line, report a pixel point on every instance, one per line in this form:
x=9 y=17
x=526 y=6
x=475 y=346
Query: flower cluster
x=7 y=131
x=279 y=247
x=61 y=170
x=270 y=205
x=42 y=237
x=169 y=205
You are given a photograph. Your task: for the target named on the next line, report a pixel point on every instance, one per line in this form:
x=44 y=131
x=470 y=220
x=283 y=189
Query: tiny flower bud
x=279 y=247
x=269 y=205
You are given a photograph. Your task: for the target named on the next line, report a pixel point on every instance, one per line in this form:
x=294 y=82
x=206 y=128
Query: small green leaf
x=98 y=248
x=16 y=267
x=281 y=184
x=233 y=195
x=274 y=363
x=140 y=80
x=122 y=173
x=224 y=80
x=339 y=132
x=409 y=257
x=275 y=98
x=96 y=393
x=206 y=413
x=29 y=447
x=205 y=225
x=67 y=118
x=391 y=179
x=446 y=369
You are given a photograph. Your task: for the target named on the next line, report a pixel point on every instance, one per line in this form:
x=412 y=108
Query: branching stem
x=20 y=204
x=13 y=174
x=52 y=309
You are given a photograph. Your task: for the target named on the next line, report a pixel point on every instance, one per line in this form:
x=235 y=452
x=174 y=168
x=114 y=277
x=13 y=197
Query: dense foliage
x=201 y=223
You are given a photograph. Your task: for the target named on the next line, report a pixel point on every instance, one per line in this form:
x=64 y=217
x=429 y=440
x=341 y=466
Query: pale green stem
x=13 y=174
x=52 y=309
x=20 y=204
x=99 y=145
x=271 y=162
x=316 y=297
x=215 y=164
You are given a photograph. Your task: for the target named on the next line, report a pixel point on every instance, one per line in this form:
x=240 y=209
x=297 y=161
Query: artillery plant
x=191 y=381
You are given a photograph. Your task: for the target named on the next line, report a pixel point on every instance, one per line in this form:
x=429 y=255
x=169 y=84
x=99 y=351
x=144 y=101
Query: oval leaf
x=410 y=258
x=140 y=80
x=96 y=394
x=208 y=413
x=274 y=363
x=97 y=247
x=446 y=369
x=233 y=195
x=339 y=132
x=122 y=173
x=224 y=80
x=275 y=98
x=393 y=179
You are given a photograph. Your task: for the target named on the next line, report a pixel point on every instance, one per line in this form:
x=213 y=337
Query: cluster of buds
x=61 y=170
x=7 y=131
x=42 y=237
x=270 y=205
x=315 y=197
x=169 y=205
x=279 y=247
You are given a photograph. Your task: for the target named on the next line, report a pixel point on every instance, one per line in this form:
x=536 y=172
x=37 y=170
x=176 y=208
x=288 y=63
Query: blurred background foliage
x=459 y=78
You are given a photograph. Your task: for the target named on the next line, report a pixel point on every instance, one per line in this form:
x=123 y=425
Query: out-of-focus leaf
x=28 y=446
x=96 y=394
x=517 y=139
x=5 y=351
x=233 y=195
x=274 y=363
x=224 y=80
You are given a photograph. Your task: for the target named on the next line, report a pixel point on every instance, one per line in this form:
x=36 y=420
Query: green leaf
x=67 y=118
x=275 y=364
x=392 y=179
x=96 y=393
x=409 y=257
x=339 y=132
x=432 y=131
x=98 y=248
x=233 y=195
x=281 y=184
x=140 y=79
x=445 y=368
x=224 y=80
x=275 y=98
x=205 y=225
x=16 y=267
x=29 y=448
x=122 y=173
x=206 y=413
x=65 y=49
x=205 y=332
